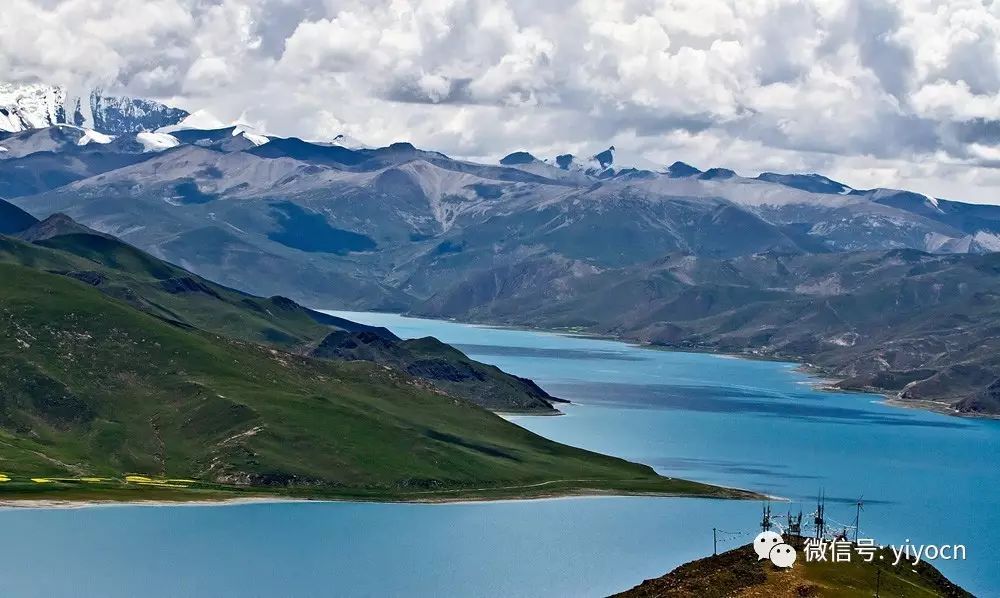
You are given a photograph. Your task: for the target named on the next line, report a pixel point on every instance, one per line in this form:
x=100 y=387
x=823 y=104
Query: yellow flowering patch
x=159 y=483
x=4 y=477
x=41 y=480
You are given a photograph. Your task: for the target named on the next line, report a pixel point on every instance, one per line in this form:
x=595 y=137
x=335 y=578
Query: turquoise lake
x=926 y=478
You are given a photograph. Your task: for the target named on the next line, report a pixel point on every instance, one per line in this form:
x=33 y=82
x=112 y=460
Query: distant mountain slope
x=13 y=219
x=921 y=326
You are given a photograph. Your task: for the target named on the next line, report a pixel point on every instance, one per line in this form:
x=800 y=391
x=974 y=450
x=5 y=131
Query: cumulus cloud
x=900 y=93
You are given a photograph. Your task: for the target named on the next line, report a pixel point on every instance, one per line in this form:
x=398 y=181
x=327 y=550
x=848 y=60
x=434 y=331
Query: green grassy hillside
x=132 y=276
x=162 y=289
x=92 y=387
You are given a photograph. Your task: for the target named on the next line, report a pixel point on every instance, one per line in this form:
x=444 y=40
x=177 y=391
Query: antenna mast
x=794 y=527
x=857 y=517
x=819 y=520
x=765 y=523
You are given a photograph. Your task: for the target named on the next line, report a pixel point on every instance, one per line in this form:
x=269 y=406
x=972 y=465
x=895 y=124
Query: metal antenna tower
x=857 y=517
x=765 y=522
x=819 y=521
x=794 y=526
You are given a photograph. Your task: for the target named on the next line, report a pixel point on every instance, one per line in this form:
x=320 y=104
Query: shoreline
x=60 y=504
x=824 y=381
x=936 y=407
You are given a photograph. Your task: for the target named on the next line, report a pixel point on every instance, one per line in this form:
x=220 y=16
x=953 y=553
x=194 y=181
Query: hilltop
x=738 y=574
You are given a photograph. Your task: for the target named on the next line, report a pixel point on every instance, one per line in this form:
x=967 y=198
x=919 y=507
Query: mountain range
x=548 y=242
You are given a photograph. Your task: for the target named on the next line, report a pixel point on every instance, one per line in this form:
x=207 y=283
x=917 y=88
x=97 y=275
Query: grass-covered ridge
x=162 y=289
x=93 y=388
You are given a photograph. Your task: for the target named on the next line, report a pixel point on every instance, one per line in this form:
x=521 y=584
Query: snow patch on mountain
x=606 y=164
x=978 y=242
x=156 y=142
x=199 y=119
x=813 y=183
x=987 y=241
x=934 y=242
x=92 y=136
x=601 y=163
x=250 y=133
x=351 y=143
x=203 y=120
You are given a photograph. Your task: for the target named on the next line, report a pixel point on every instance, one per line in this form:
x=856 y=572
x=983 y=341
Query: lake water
x=925 y=477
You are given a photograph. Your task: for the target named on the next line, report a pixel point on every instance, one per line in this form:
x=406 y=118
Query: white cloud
x=902 y=93
x=954 y=101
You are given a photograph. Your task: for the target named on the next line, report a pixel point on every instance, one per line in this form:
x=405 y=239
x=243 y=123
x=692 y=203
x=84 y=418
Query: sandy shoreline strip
x=47 y=504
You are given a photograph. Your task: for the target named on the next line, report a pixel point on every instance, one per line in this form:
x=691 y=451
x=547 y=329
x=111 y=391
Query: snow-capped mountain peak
x=35 y=106
x=30 y=106
x=605 y=159
x=199 y=119
x=250 y=134
x=349 y=142
x=156 y=142
x=595 y=165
